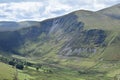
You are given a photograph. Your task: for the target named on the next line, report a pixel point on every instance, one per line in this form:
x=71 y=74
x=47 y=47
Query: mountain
x=81 y=33
x=82 y=45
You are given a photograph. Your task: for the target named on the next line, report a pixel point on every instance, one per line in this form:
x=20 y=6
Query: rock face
x=80 y=52
x=75 y=34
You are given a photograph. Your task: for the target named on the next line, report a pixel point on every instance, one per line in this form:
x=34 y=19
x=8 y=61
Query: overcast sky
x=21 y=10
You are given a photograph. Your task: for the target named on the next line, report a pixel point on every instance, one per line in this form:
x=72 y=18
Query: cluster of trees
x=20 y=64
x=15 y=63
x=4 y=59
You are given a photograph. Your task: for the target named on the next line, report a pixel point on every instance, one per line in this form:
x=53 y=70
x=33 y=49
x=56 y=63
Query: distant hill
x=12 y=26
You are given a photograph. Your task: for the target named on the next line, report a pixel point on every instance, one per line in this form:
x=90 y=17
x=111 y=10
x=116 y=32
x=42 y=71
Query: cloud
x=22 y=10
x=19 y=10
x=8 y=1
x=100 y=4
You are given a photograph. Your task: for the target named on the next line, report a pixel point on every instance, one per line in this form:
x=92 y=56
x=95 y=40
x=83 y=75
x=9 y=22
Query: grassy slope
x=6 y=72
x=102 y=71
x=96 y=20
x=112 y=50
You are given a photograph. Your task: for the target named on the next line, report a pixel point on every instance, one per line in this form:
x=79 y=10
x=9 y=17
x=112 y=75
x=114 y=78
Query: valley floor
x=104 y=70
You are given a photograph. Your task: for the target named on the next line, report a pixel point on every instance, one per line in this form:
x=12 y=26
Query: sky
x=38 y=10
